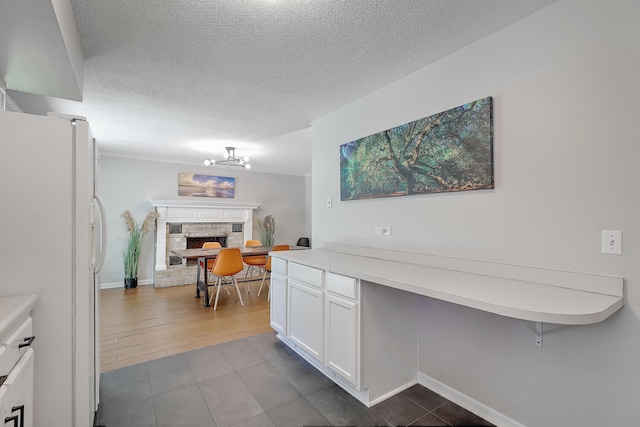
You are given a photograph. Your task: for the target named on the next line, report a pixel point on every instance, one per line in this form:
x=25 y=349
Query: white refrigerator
x=52 y=243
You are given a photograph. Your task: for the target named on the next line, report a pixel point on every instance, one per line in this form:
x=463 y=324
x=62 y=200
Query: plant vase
x=130 y=282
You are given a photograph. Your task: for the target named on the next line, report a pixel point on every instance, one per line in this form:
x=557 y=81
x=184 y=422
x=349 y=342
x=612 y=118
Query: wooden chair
x=228 y=263
x=253 y=262
x=267 y=269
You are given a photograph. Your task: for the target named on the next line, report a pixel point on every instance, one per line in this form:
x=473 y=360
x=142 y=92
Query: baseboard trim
x=392 y=393
x=470 y=404
x=112 y=285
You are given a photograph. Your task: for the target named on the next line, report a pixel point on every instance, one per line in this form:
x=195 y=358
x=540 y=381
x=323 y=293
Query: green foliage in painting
x=448 y=151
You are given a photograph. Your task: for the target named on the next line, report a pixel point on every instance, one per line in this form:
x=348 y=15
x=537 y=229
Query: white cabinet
x=305 y=308
x=20 y=386
x=342 y=327
x=318 y=314
x=305 y=274
x=5 y=407
x=305 y=317
x=278 y=289
x=341 y=338
x=16 y=361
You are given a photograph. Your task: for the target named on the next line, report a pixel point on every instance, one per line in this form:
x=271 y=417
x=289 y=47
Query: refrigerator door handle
x=97 y=265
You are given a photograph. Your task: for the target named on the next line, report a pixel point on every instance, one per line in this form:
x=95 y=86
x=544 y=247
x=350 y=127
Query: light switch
x=612 y=242
x=329 y=202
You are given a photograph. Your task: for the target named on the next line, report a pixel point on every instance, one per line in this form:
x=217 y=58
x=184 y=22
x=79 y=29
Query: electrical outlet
x=382 y=231
x=612 y=242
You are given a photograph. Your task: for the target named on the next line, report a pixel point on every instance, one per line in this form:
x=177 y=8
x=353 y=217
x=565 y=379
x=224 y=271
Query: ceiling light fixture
x=230 y=159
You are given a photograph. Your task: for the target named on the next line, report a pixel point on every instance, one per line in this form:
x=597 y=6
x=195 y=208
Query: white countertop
x=13 y=311
x=520 y=292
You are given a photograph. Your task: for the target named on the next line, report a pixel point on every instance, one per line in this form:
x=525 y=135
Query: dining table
x=203 y=255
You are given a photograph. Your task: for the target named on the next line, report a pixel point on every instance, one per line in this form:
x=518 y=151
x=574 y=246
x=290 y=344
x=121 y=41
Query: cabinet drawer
x=10 y=350
x=341 y=285
x=279 y=266
x=309 y=275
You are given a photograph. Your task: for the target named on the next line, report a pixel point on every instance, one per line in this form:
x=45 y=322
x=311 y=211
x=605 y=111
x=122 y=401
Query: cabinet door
x=305 y=318
x=278 y=289
x=342 y=342
x=20 y=385
x=5 y=407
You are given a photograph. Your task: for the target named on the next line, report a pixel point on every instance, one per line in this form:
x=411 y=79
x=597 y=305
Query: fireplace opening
x=197 y=242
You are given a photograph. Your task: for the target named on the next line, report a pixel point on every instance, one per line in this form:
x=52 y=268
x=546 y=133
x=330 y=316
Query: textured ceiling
x=178 y=80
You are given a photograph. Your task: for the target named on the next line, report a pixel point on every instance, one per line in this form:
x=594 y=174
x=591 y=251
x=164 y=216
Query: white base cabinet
x=20 y=386
x=16 y=361
x=342 y=338
x=359 y=334
x=342 y=321
x=278 y=289
x=5 y=406
x=322 y=313
x=305 y=318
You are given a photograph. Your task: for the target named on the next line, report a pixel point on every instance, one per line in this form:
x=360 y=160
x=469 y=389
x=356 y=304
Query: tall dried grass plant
x=131 y=253
x=268 y=230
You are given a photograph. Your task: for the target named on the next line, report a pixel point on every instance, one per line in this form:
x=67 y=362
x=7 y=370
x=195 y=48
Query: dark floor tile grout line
x=245 y=384
x=269 y=361
x=205 y=402
x=429 y=411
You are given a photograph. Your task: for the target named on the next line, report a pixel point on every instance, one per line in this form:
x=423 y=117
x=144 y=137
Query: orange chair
x=209 y=245
x=253 y=262
x=227 y=264
x=267 y=268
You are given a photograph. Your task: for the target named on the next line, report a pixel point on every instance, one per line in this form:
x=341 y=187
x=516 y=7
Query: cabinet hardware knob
x=21 y=409
x=27 y=342
x=14 y=419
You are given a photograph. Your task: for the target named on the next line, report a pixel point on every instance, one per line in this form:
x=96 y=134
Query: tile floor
x=255 y=381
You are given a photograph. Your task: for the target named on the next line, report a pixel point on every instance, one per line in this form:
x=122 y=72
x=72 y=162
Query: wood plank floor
x=145 y=323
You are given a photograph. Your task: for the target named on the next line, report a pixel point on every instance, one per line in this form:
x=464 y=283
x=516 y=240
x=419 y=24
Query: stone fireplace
x=183 y=224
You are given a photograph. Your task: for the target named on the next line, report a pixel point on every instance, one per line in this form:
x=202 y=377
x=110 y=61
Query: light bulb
x=207 y=162
x=246 y=159
x=248 y=166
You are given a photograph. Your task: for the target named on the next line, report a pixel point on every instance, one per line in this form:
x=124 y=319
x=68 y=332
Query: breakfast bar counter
x=352 y=311
x=521 y=292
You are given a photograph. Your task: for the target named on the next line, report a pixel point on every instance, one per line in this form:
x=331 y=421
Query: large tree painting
x=448 y=151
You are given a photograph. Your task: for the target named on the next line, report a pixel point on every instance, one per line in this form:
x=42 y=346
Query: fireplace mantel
x=208 y=204
x=198 y=211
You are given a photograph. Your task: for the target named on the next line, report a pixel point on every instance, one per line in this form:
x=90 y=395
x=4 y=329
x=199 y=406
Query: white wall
x=129 y=184
x=307 y=205
x=565 y=83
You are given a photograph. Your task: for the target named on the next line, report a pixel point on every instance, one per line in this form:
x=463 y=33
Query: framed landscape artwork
x=194 y=185
x=446 y=152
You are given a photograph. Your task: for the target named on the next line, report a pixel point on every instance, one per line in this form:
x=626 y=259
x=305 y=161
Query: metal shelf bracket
x=537 y=328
